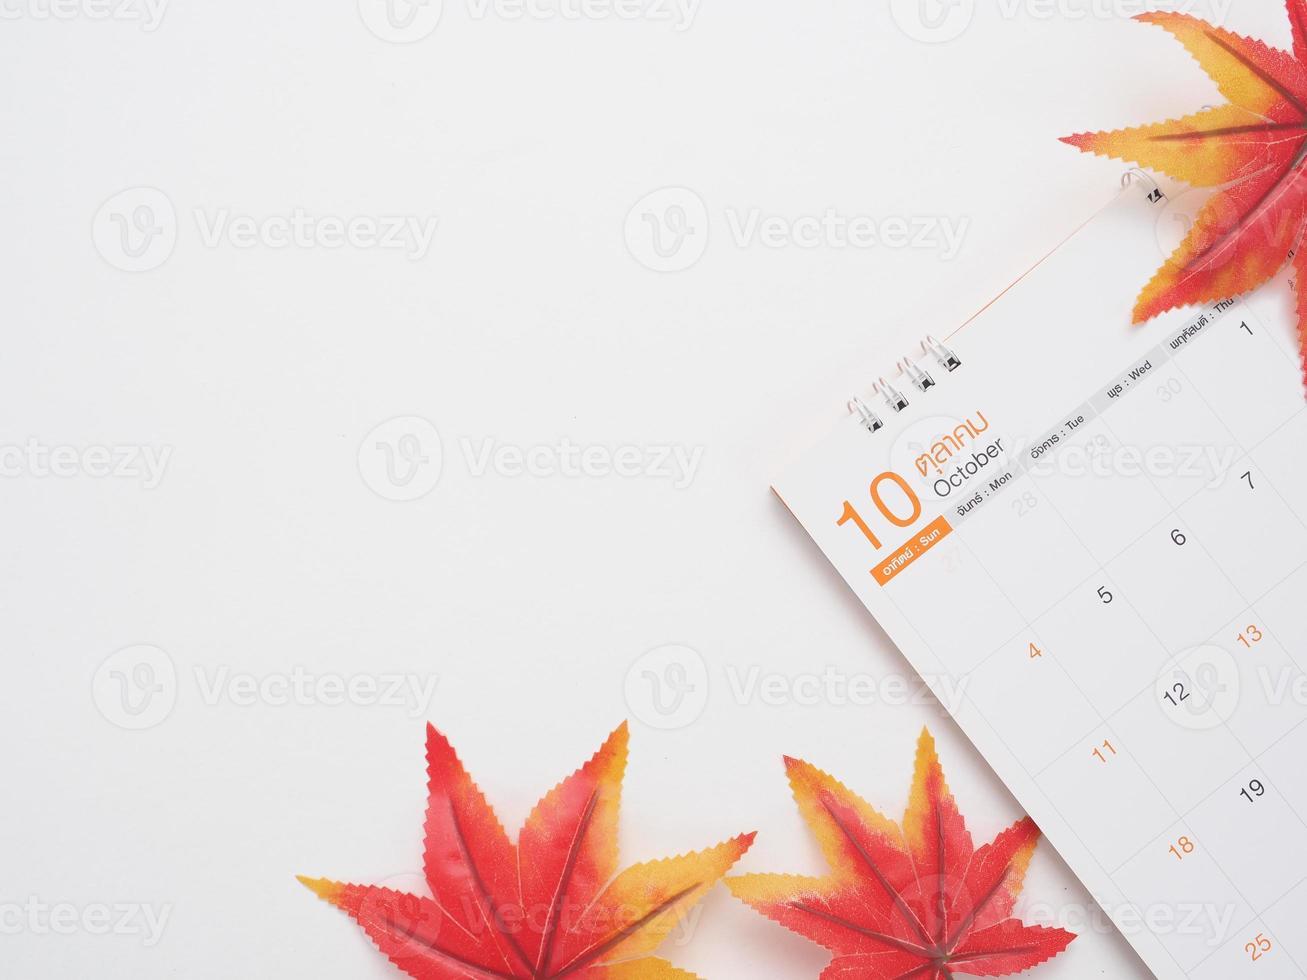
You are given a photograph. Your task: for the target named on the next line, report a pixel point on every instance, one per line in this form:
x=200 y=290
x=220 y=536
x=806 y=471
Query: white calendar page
x=1096 y=533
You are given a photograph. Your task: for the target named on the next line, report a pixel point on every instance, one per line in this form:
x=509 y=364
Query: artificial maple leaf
x=918 y=901
x=552 y=905
x=1254 y=150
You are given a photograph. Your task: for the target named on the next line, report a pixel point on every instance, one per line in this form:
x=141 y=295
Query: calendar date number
x=1259 y=947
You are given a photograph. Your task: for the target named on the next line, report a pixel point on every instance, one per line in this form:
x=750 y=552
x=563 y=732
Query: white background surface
x=264 y=550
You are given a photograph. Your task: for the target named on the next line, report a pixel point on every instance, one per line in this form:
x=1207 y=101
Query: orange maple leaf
x=1253 y=149
x=918 y=901
x=550 y=906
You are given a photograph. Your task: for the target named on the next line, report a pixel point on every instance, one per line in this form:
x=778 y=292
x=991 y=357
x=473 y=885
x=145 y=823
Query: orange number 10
x=914 y=505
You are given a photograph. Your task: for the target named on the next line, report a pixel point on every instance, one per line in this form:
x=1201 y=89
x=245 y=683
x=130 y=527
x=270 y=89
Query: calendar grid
x=1246 y=454
x=1104 y=722
x=1249 y=759
x=1180 y=816
x=1016 y=756
x=1257 y=759
x=1147 y=687
x=1161 y=522
x=1090 y=588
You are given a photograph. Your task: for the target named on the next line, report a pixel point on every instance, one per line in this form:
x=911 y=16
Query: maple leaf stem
x=899 y=944
x=574 y=850
x=473 y=969
x=496 y=920
x=966 y=923
x=1283 y=92
x=588 y=956
x=1208 y=134
x=917 y=971
x=941 y=900
x=1203 y=260
x=908 y=915
x=985 y=954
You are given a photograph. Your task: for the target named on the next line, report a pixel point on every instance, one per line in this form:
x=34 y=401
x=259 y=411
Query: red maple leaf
x=1253 y=150
x=916 y=902
x=550 y=906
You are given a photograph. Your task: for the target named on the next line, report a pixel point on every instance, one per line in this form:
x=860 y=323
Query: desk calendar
x=1097 y=532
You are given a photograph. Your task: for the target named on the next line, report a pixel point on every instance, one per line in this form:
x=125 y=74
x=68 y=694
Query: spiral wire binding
x=949 y=361
x=869 y=419
x=1134 y=174
x=894 y=398
x=921 y=379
